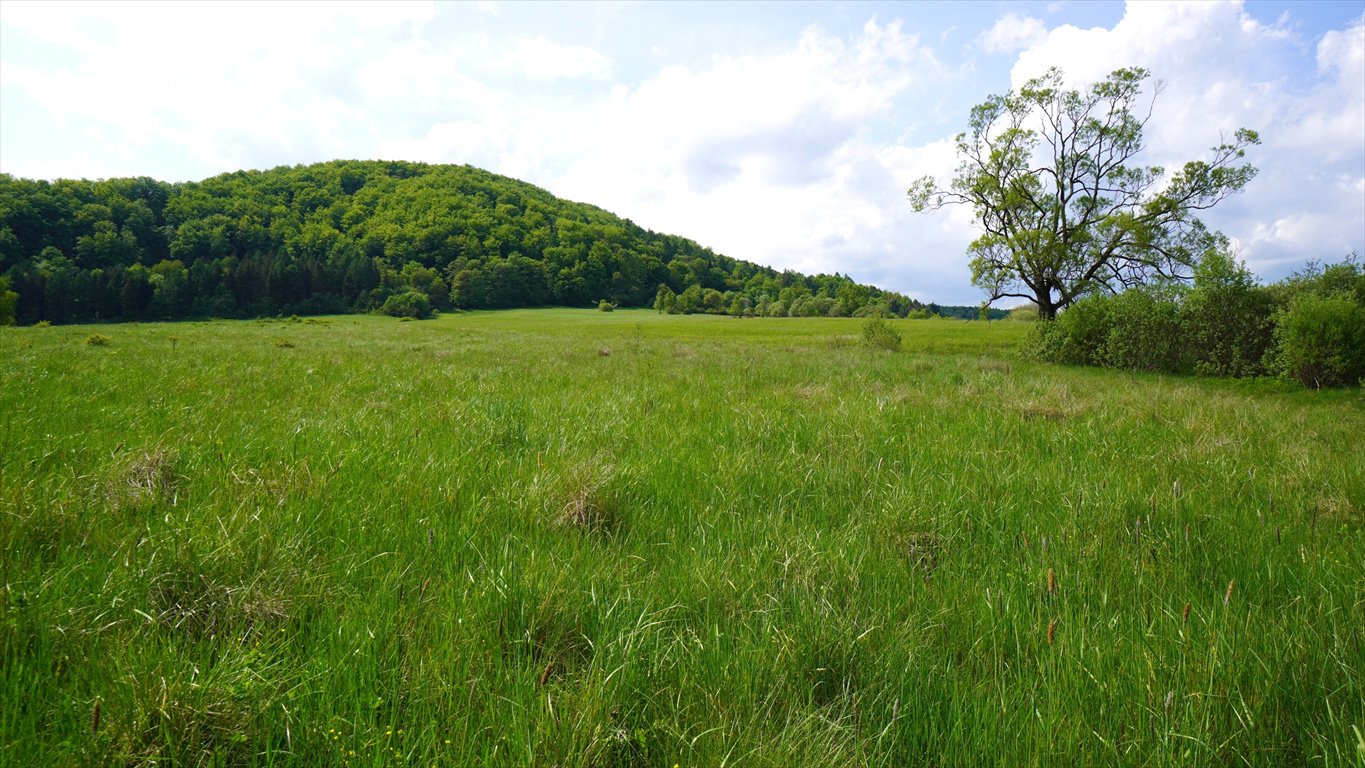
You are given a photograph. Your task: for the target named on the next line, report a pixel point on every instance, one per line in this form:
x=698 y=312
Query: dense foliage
x=350 y=235
x=1309 y=328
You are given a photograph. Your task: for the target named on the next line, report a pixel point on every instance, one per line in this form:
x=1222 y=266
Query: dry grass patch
x=1337 y=510
x=143 y=478
x=991 y=365
x=1040 y=411
x=809 y=392
x=590 y=503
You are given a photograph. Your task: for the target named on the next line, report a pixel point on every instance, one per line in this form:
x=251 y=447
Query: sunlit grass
x=575 y=538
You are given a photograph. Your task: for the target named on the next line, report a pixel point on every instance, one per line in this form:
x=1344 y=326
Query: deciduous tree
x=1064 y=205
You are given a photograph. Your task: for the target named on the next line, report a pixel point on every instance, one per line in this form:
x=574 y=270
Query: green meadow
x=576 y=538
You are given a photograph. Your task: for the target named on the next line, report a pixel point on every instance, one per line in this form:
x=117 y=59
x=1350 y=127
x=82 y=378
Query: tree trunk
x=1046 y=309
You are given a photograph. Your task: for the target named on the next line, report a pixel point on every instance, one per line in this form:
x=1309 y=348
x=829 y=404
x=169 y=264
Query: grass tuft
x=142 y=478
x=592 y=500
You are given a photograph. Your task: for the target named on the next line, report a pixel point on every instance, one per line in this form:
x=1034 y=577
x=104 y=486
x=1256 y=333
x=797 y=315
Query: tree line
x=347 y=236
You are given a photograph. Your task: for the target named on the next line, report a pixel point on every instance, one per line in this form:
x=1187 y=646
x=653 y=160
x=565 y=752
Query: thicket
x=1308 y=328
x=414 y=304
x=348 y=236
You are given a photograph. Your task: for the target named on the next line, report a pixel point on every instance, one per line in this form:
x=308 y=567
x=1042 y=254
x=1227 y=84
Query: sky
x=780 y=133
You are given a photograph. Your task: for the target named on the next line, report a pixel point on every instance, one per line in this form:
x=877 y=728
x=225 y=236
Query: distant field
x=573 y=538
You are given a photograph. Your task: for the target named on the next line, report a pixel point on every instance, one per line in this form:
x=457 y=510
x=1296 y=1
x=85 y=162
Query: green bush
x=1078 y=336
x=97 y=340
x=878 y=334
x=606 y=306
x=413 y=304
x=1135 y=330
x=1346 y=278
x=1228 y=320
x=1309 y=328
x=1145 y=334
x=1320 y=341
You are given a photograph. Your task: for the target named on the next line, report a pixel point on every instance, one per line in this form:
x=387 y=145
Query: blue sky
x=782 y=133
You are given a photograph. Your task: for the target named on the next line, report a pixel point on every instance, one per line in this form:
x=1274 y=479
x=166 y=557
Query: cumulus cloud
x=221 y=83
x=541 y=59
x=763 y=157
x=1012 y=33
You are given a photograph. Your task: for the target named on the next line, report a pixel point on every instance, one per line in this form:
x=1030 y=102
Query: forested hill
x=349 y=235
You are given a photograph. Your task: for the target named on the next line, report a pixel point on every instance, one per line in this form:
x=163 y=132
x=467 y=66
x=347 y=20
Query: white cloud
x=540 y=59
x=762 y=157
x=1012 y=33
x=230 y=87
x=1344 y=51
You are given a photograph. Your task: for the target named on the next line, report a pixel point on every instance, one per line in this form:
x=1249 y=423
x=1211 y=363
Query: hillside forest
x=349 y=236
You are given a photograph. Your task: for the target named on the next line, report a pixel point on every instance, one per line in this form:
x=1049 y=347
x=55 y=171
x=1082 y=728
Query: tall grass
x=612 y=539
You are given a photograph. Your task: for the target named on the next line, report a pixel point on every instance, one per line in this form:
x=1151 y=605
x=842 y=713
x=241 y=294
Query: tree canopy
x=1064 y=207
x=348 y=236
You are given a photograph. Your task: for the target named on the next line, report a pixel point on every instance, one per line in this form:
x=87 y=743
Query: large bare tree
x=1064 y=207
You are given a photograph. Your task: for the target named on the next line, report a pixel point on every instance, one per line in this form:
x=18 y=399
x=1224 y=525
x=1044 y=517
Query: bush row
x=1309 y=328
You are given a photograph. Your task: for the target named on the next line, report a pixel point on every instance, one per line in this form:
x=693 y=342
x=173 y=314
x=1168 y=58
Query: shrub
x=414 y=304
x=1145 y=334
x=1139 y=329
x=97 y=340
x=1226 y=325
x=1228 y=320
x=1321 y=341
x=1343 y=279
x=606 y=306
x=878 y=334
x=1078 y=336
x=1024 y=313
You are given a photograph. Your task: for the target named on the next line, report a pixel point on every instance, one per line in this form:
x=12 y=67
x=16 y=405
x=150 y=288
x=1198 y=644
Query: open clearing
x=573 y=538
